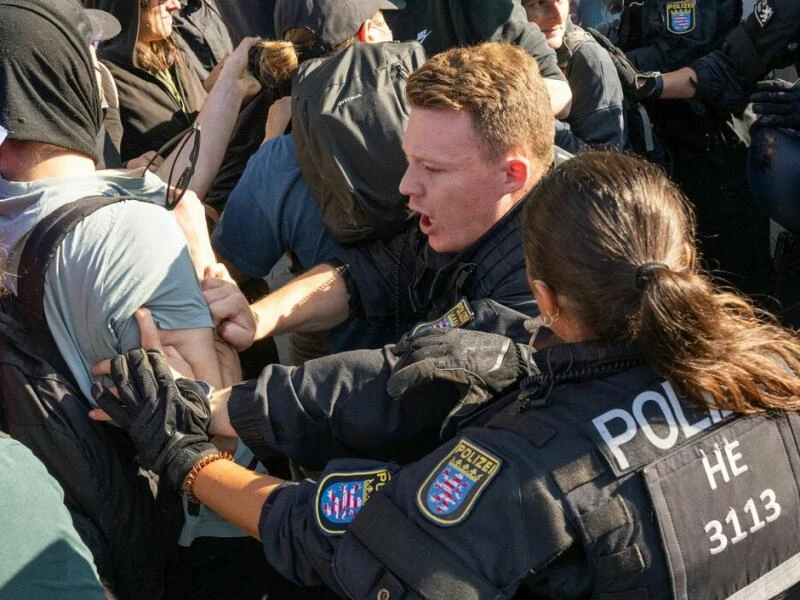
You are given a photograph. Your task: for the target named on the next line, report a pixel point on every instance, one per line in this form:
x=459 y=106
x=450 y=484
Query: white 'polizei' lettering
x=634 y=420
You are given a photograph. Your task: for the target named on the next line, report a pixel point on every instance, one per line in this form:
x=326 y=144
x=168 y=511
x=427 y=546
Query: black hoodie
x=48 y=92
x=150 y=116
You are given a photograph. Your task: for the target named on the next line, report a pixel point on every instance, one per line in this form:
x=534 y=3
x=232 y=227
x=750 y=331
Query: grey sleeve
x=122 y=257
x=46 y=558
x=336 y=407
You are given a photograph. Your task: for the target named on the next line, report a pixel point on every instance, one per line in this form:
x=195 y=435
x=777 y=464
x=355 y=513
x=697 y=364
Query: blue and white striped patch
x=681 y=16
x=341 y=496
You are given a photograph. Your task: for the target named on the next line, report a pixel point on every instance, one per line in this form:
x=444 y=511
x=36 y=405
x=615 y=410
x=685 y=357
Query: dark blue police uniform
x=708 y=153
x=597 y=479
x=752 y=49
x=397 y=283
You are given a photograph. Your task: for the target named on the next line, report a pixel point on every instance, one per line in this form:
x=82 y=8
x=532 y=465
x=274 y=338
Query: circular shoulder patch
x=341 y=496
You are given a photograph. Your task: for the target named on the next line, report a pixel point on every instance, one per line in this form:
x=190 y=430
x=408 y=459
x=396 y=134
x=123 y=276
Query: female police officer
x=653 y=453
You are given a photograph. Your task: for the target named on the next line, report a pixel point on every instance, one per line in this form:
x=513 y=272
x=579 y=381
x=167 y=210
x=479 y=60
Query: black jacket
x=207 y=40
x=590 y=481
x=597 y=116
x=442 y=24
x=396 y=284
x=150 y=116
x=337 y=406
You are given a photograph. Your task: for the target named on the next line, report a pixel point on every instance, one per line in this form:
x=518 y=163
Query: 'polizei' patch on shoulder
x=681 y=16
x=341 y=496
x=458 y=316
x=448 y=494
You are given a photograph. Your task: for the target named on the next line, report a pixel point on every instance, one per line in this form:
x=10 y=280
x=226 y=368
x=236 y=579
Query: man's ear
x=517 y=172
x=371 y=33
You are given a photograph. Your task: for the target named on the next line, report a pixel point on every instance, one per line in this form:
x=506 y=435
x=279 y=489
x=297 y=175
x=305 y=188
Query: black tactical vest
x=670 y=499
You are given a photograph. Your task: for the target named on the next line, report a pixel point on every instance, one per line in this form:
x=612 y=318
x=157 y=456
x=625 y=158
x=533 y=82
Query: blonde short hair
x=500 y=86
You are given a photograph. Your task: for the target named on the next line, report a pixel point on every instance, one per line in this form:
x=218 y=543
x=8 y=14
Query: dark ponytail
x=615 y=239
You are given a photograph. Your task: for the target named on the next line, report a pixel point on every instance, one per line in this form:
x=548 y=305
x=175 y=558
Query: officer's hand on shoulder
x=777 y=104
x=480 y=365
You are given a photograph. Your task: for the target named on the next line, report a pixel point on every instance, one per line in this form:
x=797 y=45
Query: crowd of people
x=532 y=348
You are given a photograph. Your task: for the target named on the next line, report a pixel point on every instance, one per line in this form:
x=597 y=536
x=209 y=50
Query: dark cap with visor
x=104 y=25
x=331 y=21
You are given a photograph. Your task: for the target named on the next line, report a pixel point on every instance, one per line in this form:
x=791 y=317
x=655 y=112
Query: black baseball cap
x=331 y=21
x=104 y=25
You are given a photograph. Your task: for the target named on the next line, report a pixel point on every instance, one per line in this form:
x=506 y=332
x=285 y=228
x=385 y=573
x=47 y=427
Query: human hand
x=149 y=159
x=649 y=85
x=167 y=420
x=481 y=365
x=233 y=318
x=278 y=117
x=151 y=340
x=235 y=68
x=777 y=104
x=217 y=270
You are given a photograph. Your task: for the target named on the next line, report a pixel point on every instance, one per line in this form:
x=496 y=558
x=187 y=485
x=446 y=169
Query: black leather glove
x=481 y=365
x=636 y=84
x=167 y=420
x=777 y=103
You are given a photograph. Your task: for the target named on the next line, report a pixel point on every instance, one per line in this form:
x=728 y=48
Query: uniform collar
x=569 y=363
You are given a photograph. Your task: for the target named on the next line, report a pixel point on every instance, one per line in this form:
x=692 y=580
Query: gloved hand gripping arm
x=479 y=365
x=777 y=103
x=168 y=421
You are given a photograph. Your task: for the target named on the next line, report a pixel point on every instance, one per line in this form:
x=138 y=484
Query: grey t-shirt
x=123 y=256
x=42 y=555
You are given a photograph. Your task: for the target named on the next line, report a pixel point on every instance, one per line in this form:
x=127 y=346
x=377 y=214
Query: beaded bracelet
x=188 y=482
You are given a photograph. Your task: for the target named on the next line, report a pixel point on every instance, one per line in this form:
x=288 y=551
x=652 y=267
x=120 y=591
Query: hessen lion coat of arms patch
x=448 y=494
x=341 y=496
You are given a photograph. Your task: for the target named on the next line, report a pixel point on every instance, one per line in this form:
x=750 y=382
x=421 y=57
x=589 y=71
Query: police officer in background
x=767 y=39
x=652 y=453
x=704 y=139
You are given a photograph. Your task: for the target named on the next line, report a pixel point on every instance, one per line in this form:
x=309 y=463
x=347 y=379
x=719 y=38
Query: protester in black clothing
x=203 y=35
x=442 y=24
x=597 y=116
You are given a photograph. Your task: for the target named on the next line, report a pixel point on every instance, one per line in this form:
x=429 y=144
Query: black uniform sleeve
x=761 y=43
x=335 y=407
x=503 y=20
x=471 y=519
x=378 y=275
x=670 y=50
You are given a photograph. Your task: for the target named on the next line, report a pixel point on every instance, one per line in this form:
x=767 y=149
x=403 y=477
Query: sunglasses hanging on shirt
x=174 y=193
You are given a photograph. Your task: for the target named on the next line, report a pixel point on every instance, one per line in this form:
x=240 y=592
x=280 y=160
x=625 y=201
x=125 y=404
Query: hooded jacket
x=150 y=116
